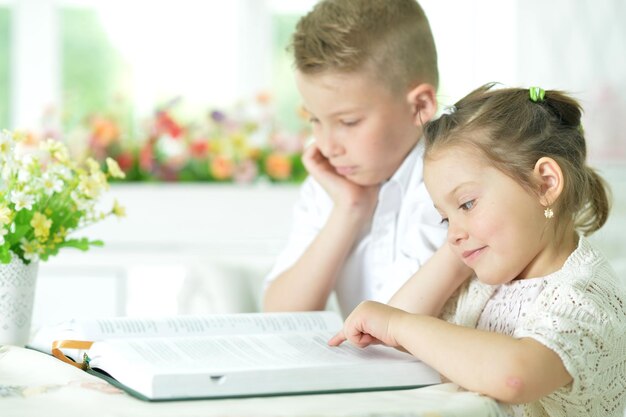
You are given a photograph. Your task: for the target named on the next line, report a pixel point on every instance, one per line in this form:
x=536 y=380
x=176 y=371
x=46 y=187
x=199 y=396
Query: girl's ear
x=549 y=176
x=423 y=102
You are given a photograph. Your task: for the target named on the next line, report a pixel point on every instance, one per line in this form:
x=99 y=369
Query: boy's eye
x=468 y=205
x=444 y=220
x=350 y=122
x=313 y=120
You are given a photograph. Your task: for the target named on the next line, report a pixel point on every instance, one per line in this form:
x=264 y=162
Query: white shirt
x=405 y=231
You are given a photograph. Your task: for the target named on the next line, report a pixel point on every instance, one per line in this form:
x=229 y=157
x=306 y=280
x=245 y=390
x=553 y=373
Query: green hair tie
x=537 y=94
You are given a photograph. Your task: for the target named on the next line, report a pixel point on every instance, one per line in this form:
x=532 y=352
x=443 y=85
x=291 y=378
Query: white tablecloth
x=34 y=384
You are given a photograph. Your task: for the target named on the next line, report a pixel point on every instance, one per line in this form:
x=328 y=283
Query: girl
x=542 y=324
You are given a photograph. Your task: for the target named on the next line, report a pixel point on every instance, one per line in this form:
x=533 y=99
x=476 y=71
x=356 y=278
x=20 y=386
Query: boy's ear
x=549 y=176
x=423 y=101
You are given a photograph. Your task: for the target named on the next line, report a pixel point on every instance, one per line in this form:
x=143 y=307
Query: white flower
x=82 y=202
x=31 y=250
x=6 y=172
x=61 y=171
x=22 y=200
x=51 y=184
x=3 y=232
x=5 y=214
x=26 y=166
x=170 y=147
x=7 y=146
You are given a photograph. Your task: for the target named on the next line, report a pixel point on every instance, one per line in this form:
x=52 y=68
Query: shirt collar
x=410 y=168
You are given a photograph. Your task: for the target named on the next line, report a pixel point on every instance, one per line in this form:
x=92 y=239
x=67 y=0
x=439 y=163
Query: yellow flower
x=221 y=167
x=114 y=168
x=41 y=225
x=5 y=215
x=6 y=144
x=91 y=185
x=93 y=165
x=60 y=235
x=57 y=150
x=31 y=249
x=117 y=210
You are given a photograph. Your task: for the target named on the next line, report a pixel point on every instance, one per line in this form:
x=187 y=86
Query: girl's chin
x=493 y=280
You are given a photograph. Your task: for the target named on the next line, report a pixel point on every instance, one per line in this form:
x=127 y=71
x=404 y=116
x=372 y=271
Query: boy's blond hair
x=391 y=39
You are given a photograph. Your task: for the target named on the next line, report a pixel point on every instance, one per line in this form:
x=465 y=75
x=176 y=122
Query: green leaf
x=5 y=255
x=81 y=244
x=20 y=231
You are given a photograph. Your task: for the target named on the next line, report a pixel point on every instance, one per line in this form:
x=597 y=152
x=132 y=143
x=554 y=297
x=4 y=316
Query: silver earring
x=548 y=213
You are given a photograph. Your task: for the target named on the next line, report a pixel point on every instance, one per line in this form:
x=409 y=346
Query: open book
x=232 y=355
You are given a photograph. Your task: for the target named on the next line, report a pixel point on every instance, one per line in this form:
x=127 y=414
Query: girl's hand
x=370 y=323
x=342 y=191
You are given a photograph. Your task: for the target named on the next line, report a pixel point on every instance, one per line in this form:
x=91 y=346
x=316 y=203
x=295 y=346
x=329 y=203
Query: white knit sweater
x=579 y=312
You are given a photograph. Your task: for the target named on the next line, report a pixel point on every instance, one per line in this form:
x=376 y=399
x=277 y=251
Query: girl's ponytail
x=595 y=212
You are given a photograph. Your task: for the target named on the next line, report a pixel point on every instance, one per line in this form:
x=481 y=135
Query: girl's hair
x=514 y=132
x=390 y=39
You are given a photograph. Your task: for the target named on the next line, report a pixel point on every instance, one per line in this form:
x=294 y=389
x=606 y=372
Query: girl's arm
x=507 y=369
x=432 y=285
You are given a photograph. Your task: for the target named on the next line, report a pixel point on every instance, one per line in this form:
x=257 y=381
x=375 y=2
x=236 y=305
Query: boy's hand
x=342 y=191
x=369 y=323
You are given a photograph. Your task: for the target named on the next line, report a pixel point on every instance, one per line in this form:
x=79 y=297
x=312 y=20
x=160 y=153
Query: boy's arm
x=308 y=283
x=500 y=366
x=432 y=285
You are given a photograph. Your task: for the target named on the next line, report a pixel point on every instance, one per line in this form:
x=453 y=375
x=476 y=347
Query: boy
x=367 y=74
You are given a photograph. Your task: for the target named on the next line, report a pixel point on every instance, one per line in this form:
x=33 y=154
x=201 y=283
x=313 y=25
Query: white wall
x=182 y=249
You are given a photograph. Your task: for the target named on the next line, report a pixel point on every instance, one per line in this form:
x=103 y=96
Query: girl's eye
x=468 y=205
x=313 y=120
x=444 y=220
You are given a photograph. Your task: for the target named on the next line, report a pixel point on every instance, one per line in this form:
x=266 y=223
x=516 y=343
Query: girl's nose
x=456 y=233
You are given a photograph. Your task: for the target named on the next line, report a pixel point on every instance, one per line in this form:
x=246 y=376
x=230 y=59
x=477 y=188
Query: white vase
x=17 y=295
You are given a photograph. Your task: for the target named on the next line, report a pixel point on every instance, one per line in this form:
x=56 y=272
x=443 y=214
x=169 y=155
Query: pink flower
x=246 y=171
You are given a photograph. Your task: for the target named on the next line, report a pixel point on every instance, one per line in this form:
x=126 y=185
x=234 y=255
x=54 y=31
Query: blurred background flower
x=244 y=144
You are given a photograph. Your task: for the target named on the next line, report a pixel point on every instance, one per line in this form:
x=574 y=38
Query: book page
x=236 y=352
x=230 y=365
x=178 y=326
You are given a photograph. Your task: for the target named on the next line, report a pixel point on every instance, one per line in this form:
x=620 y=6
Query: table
x=36 y=384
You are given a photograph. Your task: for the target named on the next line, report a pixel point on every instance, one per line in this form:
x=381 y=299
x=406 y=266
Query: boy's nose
x=329 y=145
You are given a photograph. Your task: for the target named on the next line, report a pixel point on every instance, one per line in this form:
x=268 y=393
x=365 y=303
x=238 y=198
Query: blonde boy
x=367 y=74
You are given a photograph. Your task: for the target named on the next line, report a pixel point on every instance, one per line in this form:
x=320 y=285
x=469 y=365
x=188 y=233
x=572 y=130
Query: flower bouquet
x=45 y=196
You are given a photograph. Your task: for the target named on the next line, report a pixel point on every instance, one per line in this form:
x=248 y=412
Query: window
x=94 y=73
x=5 y=45
x=283 y=84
